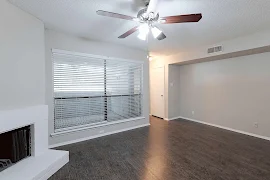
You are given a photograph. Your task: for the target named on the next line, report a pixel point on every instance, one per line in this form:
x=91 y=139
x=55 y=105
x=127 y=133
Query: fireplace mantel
x=43 y=162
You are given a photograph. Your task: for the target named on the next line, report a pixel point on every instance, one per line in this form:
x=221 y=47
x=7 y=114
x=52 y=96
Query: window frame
x=106 y=123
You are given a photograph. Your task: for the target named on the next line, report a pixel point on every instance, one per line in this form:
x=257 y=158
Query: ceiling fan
x=149 y=19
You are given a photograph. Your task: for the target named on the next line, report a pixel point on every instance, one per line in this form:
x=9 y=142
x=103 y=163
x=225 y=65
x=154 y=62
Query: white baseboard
x=170 y=119
x=223 y=127
x=97 y=136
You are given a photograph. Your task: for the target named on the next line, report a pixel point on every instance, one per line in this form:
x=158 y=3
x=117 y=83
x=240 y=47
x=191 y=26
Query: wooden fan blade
x=115 y=15
x=126 y=34
x=161 y=36
x=181 y=18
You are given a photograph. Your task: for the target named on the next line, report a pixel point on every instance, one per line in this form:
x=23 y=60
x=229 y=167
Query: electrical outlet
x=101 y=131
x=256 y=124
x=193 y=112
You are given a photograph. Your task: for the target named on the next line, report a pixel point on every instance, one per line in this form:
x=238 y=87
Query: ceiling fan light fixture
x=144 y=30
x=142 y=36
x=156 y=32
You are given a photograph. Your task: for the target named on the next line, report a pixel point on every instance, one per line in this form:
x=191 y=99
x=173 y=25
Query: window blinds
x=90 y=90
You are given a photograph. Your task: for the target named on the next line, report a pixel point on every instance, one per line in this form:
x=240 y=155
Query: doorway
x=157 y=91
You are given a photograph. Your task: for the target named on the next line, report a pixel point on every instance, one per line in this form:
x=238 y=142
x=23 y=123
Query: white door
x=157 y=91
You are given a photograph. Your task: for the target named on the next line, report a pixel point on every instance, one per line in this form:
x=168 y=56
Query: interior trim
x=226 y=55
x=91 y=126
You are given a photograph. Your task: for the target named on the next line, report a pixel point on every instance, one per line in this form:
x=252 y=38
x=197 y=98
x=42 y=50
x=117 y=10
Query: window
x=90 y=90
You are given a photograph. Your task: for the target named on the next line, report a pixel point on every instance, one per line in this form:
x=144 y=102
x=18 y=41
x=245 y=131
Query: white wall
x=233 y=93
x=55 y=40
x=174 y=85
x=238 y=46
x=22 y=64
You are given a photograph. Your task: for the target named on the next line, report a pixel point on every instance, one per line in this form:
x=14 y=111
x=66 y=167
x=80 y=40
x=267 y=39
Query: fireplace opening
x=15 y=145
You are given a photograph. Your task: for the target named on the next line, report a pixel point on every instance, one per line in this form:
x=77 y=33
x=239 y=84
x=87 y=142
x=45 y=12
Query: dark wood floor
x=175 y=150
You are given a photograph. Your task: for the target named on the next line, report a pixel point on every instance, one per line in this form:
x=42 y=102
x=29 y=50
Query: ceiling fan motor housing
x=145 y=17
x=142 y=14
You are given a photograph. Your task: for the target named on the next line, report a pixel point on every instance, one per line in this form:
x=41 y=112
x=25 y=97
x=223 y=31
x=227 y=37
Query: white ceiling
x=222 y=20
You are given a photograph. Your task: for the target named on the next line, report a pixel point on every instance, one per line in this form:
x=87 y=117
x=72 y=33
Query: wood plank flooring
x=174 y=150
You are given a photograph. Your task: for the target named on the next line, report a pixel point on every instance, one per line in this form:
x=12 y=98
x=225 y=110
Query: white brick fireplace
x=44 y=162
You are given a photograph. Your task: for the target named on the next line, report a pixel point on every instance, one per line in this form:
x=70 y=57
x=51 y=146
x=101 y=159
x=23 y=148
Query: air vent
x=214 y=49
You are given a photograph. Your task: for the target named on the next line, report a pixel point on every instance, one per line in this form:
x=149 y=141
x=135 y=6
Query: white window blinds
x=89 y=91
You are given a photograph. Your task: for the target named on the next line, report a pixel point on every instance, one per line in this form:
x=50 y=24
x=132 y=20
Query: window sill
x=87 y=127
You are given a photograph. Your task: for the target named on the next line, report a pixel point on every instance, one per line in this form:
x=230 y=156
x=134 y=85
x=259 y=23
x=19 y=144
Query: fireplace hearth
x=15 y=146
x=24 y=151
